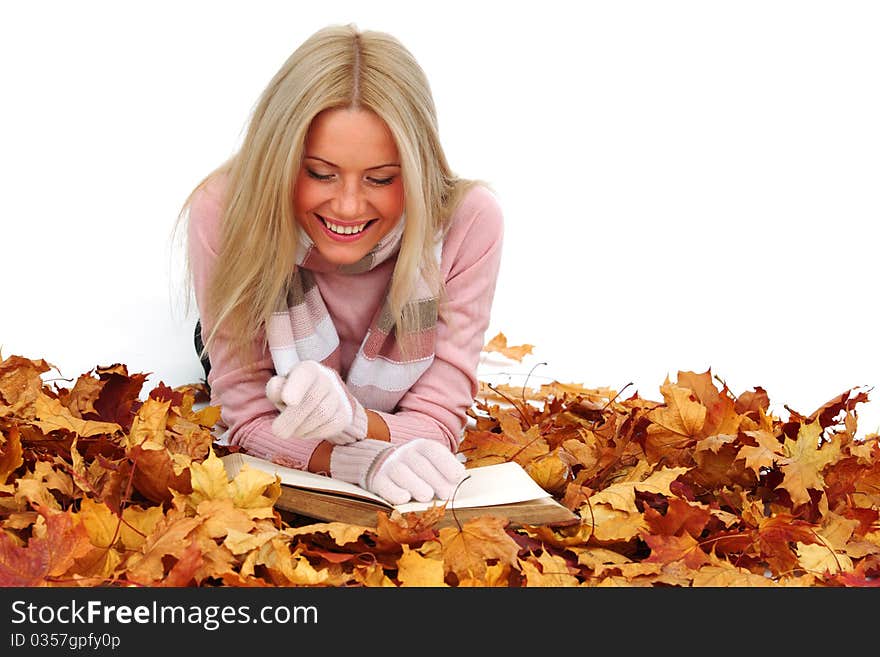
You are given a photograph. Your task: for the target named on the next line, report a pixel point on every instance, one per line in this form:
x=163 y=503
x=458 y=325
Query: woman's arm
x=436 y=406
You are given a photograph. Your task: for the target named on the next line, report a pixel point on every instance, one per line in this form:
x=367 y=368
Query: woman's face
x=348 y=193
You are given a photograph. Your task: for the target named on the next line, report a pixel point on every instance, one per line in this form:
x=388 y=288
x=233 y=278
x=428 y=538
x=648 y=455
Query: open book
x=504 y=490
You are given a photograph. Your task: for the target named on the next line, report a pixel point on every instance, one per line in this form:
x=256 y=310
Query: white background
x=686 y=185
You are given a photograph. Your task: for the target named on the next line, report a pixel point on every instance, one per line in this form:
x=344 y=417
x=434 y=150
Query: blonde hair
x=338 y=66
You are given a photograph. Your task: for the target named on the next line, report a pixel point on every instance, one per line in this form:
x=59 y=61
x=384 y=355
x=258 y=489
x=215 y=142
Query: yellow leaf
x=682 y=415
x=805 y=461
x=148 y=425
x=53 y=415
x=659 y=481
x=10 y=453
x=413 y=569
x=168 y=538
x=622 y=496
x=721 y=573
x=241 y=542
x=139 y=523
x=221 y=516
x=763 y=455
x=342 y=533
x=819 y=559
x=547 y=570
x=466 y=551
x=499 y=345
x=100 y=522
x=293 y=567
x=251 y=489
x=497 y=575
x=612 y=524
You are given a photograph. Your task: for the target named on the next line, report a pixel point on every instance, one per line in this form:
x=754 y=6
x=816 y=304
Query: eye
x=318 y=176
x=381 y=181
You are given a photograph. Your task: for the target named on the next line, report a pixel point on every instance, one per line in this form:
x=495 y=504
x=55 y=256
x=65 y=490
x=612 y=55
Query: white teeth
x=344 y=230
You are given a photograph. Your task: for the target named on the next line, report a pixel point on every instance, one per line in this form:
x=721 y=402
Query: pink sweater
x=435 y=407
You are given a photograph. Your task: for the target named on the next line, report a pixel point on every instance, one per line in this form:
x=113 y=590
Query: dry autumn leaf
x=106 y=483
x=499 y=345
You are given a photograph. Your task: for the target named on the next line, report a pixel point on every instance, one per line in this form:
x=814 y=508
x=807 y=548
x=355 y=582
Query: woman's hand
x=420 y=469
x=315 y=403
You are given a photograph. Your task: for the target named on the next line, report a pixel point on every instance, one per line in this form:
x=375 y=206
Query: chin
x=341 y=255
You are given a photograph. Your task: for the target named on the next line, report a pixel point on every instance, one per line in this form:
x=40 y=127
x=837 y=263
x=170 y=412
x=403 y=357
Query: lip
x=336 y=237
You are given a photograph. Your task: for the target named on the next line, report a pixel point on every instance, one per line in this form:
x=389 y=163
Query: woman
x=344 y=275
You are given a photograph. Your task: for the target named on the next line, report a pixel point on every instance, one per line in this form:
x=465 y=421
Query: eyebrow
x=329 y=163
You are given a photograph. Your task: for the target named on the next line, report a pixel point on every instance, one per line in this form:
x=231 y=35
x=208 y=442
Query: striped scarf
x=302 y=329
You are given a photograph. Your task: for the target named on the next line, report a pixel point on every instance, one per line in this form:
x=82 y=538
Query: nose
x=350 y=202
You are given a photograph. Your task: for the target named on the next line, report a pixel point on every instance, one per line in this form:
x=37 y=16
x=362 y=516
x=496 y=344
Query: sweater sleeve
x=436 y=406
x=239 y=390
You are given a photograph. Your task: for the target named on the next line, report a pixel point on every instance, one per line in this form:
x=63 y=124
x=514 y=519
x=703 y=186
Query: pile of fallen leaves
x=99 y=487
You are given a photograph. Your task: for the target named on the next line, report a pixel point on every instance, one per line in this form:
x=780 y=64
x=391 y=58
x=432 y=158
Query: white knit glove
x=420 y=469
x=315 y=403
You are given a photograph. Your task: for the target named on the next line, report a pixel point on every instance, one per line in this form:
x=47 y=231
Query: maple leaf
x=221 y=516
x=822 y=559
x=683 y=414
x=721 y=573
x=185 y=569
x=804 y=461
x=157 y=475
x=415 y=569
x=467 y=550
x=499 y=344
x=674 y=426
x=496 y=575
x=10 y=453
x=119 y=398
x=681 y=516
x=608 y=524
x=104 y=528
x=753 y=402
x=48 y=554
x=512 y=444
x=681 y=547
x=552 y=472
x=547 y=570
x=53 y=416
x=138 y=523
x=251 y=489
x=80 y=400
x=20 y=383
x=762 y=455
x=168 y=538
x=407 y=528
x=147 y=429
x=721 y=414
x=240 y=542
x=775 y=536
x=290 y=568
x=36 y=487
x=622 y=495
x=342 y=533
x=827 y=414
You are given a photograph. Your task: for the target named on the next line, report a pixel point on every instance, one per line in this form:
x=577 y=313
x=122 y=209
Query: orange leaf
x=499 y=344
x=10 y=453
x=467 y=551
x=46 y=556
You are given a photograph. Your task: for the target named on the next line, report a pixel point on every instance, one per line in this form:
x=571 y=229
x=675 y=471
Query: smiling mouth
x=341 y=229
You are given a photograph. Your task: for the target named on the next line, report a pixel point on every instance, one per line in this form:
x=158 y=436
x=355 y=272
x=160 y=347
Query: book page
x=502 y=483
x=300 y=478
